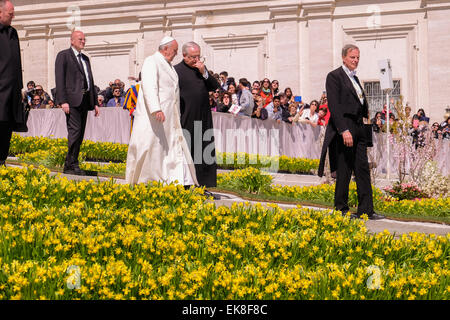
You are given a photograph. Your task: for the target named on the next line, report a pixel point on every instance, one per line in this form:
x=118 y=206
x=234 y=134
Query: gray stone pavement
x=393 y=226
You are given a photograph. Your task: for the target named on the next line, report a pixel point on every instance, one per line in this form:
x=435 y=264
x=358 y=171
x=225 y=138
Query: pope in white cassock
x=158 y=150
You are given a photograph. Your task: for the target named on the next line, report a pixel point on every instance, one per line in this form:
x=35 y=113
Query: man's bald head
x=6 y=12
x=77 y=40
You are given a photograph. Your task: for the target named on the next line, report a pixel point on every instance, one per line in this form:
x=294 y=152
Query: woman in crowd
x=225 y=103
x=294 y=115
x=233 y=94
x=446 y=129
x=216 y=95
x=51 y=104
x=258 y=111
x=101 y=101
x=212 y=102
x=289 y=96
x=266 y=92
x=322 y=117
x=417 y=131
x=422 y=116
x=437 y=131
x=377 y=123
x=275 y=86
x=310 y=114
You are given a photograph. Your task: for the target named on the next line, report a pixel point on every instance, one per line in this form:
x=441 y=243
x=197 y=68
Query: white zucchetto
x=166 y=40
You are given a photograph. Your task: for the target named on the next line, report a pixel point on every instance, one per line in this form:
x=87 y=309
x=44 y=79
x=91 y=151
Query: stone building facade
x=296 y=42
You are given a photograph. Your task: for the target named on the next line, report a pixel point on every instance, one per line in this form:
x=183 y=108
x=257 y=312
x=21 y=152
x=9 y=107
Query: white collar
x=347 y=71
x=75 y=51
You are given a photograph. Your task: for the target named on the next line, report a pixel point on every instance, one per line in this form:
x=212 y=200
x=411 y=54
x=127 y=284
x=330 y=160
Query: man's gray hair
x=347 y=48
x=190 y=44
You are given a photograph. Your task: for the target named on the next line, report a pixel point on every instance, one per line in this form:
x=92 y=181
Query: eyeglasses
x=200 y=58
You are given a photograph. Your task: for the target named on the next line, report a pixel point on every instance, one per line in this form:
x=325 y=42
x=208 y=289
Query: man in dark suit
x=196 y=118
x=346 y=135
x=75 y=93
x=12 y=112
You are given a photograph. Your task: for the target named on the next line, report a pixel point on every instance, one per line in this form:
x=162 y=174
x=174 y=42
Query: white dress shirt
x=351 y=76
x=75 y=51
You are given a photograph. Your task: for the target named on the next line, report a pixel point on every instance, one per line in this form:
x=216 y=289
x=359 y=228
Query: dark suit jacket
x=345 y=107
x=11 y=106
x=70 y=80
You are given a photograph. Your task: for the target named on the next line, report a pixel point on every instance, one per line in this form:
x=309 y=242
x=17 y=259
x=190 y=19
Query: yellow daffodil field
x=63 y=239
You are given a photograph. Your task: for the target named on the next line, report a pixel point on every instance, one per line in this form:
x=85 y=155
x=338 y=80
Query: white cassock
x=158 y=150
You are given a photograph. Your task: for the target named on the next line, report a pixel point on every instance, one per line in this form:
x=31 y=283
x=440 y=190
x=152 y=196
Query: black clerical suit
x=196 y=114
x=12 y=115
x=347 y=113
x=72 y=88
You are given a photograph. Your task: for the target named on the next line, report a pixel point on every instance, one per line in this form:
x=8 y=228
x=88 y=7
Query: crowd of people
x=265 y=100
x=36 y=98
x=261 y=100
x=419 y=125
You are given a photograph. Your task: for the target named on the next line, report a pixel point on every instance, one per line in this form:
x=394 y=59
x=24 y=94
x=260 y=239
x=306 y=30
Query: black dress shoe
x=352 y=215
x=210 y=194
x=376 y=216
x=74 y=171
x=90 y=173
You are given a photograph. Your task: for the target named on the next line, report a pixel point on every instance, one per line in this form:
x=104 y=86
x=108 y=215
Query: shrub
x=433 y=183
x=405 y=191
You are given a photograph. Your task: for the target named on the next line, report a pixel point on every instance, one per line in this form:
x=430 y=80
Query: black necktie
x=82 y=70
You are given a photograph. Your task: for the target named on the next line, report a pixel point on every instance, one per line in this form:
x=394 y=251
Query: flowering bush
x=64 y=239
x=433 y=183
x=405 y=191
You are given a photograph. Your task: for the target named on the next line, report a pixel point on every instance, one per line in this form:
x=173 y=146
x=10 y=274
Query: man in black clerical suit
x=12 y=115
x=346 y=136
x=195 y=85
x=75 y=93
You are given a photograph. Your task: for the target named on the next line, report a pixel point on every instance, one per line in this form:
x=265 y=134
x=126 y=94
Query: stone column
x=284 y=46
x=438 y=62
x=318 y=47
x=35 y=49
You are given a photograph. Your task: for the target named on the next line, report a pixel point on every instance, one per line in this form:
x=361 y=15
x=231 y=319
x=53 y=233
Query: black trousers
x=355 y=160
x=5 y=139
x=76 y=125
